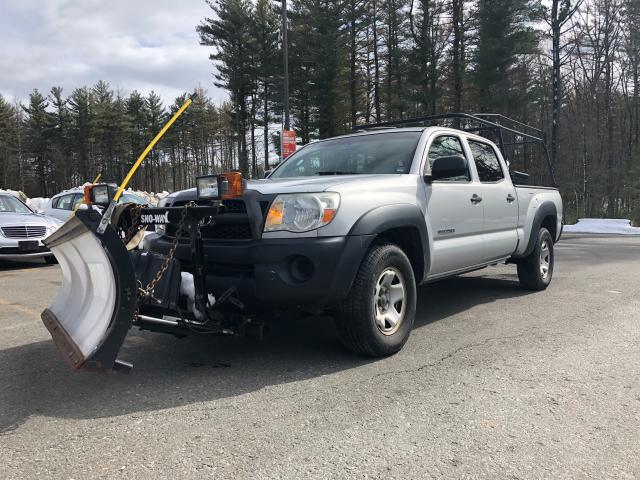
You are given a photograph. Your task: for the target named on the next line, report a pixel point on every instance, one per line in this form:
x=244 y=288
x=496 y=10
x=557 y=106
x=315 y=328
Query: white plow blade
x=91 y=314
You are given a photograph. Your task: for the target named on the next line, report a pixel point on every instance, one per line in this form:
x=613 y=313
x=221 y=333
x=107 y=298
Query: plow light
x=100 y=194
x=220 y=187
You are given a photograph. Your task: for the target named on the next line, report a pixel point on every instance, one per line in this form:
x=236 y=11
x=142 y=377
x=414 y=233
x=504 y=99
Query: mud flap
x=91 y=314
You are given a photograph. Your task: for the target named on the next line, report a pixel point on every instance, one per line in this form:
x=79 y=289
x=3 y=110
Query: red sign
x=288 y=143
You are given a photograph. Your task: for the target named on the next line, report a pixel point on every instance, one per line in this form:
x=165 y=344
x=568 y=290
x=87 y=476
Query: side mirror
x=448 y=167
x=267 y=173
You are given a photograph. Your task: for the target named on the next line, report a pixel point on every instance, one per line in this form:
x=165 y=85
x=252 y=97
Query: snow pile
x=603 y=225
x=37 y=204
x=187 y=288
x=15 y=193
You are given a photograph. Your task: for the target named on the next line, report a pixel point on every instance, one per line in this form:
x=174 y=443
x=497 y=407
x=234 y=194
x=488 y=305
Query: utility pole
x=285 y=58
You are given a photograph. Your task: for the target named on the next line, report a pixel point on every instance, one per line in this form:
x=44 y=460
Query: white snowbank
x=37 y=204
x=15 y=193
x=603 y=225
x=187 y=288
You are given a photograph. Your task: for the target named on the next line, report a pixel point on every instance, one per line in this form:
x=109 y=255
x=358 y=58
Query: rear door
x=61 y=206
x=455 y=220
x=499 y=199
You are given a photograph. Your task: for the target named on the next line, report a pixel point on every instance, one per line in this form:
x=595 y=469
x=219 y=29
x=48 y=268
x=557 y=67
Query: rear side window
x=77 y=201
x=487 y=163
x=447 y=146
x=64 y=202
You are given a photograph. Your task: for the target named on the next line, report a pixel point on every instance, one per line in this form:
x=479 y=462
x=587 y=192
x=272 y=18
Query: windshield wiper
x=336 y=173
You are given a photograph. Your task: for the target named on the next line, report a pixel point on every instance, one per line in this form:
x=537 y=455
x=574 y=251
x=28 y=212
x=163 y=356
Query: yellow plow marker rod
x=97 y=179
x=146 y=151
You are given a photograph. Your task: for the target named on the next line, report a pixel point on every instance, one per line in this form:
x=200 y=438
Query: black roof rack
x=496 y=123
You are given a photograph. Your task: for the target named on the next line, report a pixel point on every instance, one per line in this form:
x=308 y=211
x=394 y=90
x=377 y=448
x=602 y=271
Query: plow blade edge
x=91 y=314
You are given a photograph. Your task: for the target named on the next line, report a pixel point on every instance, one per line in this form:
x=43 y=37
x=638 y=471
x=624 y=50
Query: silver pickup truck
x=353 y=224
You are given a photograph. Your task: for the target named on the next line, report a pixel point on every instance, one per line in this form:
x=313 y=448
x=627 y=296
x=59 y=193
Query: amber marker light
x=234 y=187
x=275 y=215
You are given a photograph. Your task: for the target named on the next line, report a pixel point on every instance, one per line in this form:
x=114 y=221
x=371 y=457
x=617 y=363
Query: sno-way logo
x=154 y=217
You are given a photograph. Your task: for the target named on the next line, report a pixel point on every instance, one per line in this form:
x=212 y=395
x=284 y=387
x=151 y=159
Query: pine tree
x=504 y=33
x=230 y=33
x=81 y=108
x=267 y=66
x=38 y=133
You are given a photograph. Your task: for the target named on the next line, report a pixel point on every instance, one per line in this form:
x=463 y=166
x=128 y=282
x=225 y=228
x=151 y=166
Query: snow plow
x=91 y=314
x=108 y=286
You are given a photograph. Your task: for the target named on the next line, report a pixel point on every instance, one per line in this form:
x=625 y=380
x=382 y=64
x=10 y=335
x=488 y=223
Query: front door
x=453 y=216
x=500 y=202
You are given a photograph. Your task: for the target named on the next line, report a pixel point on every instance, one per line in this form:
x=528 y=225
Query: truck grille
x=236 y=228
x=24 y=231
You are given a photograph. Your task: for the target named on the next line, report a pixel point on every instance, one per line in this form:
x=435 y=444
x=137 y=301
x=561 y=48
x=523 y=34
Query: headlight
x=301 y=212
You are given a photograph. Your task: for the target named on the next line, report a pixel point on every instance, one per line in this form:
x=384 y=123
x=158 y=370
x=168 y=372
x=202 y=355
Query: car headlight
x=302 y=212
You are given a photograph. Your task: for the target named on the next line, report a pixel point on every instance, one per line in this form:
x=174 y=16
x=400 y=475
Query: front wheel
x=536 y=270
x=377 y=316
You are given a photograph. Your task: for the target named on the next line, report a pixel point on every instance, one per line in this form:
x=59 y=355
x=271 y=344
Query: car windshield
x=9 y=204
x=383 y=153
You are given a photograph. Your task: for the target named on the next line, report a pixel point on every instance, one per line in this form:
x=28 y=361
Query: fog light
x=302 y=269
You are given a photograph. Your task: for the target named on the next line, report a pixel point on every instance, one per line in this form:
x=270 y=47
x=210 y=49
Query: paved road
x=494 y=383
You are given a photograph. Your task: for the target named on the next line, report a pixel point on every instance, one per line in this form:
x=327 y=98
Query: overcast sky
x=132 y=44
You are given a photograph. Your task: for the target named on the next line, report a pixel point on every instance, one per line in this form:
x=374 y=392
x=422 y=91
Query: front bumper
x=278 y=272
x=9 y=250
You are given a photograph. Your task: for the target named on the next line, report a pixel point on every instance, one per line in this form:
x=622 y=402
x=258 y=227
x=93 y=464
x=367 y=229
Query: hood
x=309 y=184
x=15 y=219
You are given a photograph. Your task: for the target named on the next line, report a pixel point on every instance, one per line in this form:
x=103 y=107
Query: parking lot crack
x=448 y=356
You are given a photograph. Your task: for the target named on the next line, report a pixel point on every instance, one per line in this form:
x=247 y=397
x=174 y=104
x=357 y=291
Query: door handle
x=511 y=198
x=475 y=199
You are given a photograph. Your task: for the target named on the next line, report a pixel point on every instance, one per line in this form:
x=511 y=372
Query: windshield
x=384 y=153
x=9 y=204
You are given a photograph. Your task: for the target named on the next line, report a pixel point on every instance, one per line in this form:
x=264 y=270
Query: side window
x=487 y=163
x=78 y=200
x=446 y=146
x=64 y=203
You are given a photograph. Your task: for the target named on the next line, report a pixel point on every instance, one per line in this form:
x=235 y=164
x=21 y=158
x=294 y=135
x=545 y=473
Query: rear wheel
x=377 y=316
x=536 y=270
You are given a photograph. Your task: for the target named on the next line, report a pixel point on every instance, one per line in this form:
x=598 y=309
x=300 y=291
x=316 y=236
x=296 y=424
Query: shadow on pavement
x=10 y=265
x=170 y=372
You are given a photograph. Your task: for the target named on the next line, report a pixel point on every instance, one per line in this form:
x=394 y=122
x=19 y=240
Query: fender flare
x=546 y=209
x=387 y=217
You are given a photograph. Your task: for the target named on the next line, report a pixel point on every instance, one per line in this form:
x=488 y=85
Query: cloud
x=132 y=44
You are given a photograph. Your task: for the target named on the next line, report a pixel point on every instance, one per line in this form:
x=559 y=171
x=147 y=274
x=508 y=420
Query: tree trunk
x=556 y=94
x=457 y=6
x=376 y=63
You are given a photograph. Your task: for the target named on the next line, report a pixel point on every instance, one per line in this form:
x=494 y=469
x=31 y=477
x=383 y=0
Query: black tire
x=530 y=271
x=356 y=315
x=50 y=259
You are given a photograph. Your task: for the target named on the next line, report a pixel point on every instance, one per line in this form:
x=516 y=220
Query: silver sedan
x=22 y=231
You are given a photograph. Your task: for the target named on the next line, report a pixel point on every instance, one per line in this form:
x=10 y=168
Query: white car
x=62 y=205
x=22 y=231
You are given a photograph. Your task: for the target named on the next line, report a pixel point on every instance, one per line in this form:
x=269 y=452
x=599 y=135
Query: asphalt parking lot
x=495 y=382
